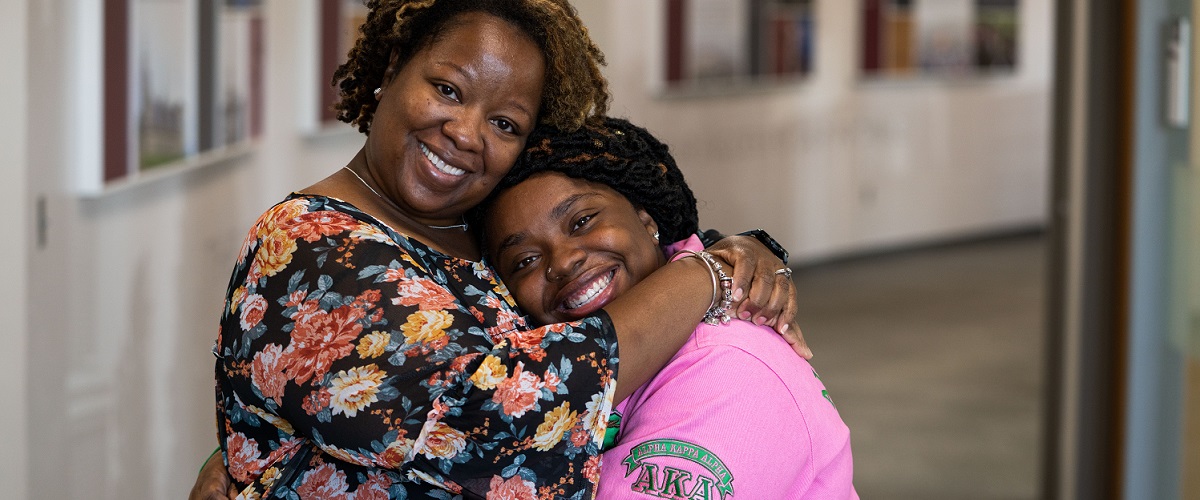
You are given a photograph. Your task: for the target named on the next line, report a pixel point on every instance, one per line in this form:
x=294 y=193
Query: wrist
x=722 y=286
x=763 y=237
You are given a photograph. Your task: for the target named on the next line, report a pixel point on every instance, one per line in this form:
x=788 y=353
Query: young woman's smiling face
x=566 y=247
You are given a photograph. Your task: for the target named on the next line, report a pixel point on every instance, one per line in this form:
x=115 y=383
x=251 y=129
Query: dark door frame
x=1088 y=277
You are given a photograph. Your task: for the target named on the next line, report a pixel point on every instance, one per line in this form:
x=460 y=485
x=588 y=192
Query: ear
x=393 y=67
x=648 y=222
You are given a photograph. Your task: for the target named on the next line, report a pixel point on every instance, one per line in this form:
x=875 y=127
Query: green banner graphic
x=686 y=451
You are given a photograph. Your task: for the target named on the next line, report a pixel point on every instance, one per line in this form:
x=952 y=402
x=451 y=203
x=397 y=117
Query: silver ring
x=786 y=272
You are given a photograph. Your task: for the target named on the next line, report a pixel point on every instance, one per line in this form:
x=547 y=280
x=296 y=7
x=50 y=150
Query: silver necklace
x=347 y=168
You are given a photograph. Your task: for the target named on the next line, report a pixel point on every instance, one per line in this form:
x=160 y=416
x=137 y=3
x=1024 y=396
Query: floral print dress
x=356 y=363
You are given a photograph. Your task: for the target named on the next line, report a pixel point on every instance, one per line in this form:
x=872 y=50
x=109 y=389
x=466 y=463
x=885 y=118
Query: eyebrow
x=470 y=75
x=558 y=212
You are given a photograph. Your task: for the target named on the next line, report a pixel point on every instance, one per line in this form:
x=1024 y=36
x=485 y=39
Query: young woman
x=583 y=218
x=367 y=351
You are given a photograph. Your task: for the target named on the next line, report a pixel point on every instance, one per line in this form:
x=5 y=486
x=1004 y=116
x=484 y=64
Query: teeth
x=591 y=292
x=441 y=164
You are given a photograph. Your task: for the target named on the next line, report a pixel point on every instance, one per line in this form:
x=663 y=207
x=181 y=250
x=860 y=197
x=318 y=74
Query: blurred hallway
x=934 y=358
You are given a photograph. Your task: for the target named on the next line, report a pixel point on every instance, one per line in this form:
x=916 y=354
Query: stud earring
x=377 y=91
x=656 y=236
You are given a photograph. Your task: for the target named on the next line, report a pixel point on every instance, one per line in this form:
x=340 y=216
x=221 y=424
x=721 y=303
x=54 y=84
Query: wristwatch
x=768 y=242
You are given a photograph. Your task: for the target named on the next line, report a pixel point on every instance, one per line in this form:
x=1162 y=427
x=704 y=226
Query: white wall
x=834 y=164
x=122 y=300
x=14 y=461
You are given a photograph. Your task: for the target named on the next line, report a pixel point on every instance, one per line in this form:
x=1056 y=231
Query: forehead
x=474 y=32
x=551 y=188
x=535 y=199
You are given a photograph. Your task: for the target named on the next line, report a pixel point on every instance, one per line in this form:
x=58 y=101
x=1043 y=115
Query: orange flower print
x=278 y=422
x=269 y=476
x=245 y=463
x=287 y=448
x=313 y=226
x=367 y=298
x=515 y=488
x=325 y=482
x=275 y=253
x=595 y=417
x=374 y=344
x=551 y=380
x=355 y=389
x=370 y=233
x=253 y=309
x=279 y=217
x=530 y=341
x=250 y=493
x=316 y=401
x=265 y=372
x=296 y=298
x=491 y=372
x=444 y=441
x=557 y=423
x=318 y=340
x=348 y=456
x=376 y=487
x=591 y=469
x=579 y=437
x=395 y=454
x=518 y=393
x=426 y=327
x=236 y=298
x=424 y=293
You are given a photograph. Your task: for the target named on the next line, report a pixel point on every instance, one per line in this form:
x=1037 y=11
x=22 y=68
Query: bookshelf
x=903 y=38
x=719 y=44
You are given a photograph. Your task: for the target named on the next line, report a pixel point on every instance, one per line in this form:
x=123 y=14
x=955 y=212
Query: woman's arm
x=655 y=317
x=213 y=483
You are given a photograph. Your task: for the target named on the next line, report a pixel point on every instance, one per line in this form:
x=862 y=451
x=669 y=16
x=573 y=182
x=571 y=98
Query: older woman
x=367 y=350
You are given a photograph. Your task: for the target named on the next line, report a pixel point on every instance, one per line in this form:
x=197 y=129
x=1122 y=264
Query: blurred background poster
x=945 y=34
x=938 y=37
x=723 y=43
x=339 y=22
x=182 y=78
x=234 y=89
x=165 y=100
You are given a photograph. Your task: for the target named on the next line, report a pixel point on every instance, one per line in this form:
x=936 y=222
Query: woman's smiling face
x=566 y=247
x=452 y=119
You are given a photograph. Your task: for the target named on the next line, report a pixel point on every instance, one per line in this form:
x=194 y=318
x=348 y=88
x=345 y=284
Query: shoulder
x=751 y=346
x=732 y=402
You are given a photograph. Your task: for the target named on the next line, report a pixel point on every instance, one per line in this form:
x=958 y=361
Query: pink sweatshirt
x=736 y=414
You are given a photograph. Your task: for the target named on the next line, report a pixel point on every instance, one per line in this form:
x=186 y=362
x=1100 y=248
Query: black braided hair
x=618 y=154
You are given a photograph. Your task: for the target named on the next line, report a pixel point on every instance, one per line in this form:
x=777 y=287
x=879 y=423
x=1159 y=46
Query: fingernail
x=744 y=315
x=737 y=295
x=808 y=353
x=760 y=320
x=783 y=330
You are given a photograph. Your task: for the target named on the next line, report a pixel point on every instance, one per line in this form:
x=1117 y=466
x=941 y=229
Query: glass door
x=1185 y=267
x=1162 y=402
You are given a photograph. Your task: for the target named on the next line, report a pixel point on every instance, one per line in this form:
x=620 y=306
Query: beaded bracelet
x=718 y=310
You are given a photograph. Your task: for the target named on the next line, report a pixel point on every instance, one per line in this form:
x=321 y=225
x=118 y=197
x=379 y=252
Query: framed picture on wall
x=338 y=23
x=724 y=43
x=938 y=37
x=182 y=79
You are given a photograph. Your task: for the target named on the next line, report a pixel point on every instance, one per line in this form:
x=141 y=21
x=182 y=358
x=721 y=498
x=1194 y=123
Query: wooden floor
x=935 y=361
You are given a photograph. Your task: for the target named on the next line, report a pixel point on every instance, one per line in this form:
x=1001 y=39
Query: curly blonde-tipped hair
x=574 y=89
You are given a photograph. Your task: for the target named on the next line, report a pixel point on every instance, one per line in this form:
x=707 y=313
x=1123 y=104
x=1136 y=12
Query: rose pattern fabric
x=354 y=362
